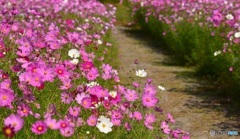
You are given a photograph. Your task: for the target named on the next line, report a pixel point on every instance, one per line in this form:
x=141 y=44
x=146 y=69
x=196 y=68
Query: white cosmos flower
x=91 y=84
x=217 y=53
x=99 y=42
x=229 y=17
x=141 y=73
x=237 y=35
x=73 y=53
x=161 y=88
x=113 y=94
x=104 y=124
x=75 y=61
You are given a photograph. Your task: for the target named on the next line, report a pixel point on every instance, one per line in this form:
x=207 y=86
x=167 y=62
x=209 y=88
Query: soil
x=193 y=106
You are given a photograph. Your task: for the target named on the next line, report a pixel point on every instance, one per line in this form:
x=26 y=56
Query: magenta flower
x=87 y=65
x=131 y=95
x=92 y=120
x=86 y=102
x=92 y=74
x=61 y=71
x=6 y=97
x=39 y=127
x=149 y=100
x=15 y=121
x=63 y=124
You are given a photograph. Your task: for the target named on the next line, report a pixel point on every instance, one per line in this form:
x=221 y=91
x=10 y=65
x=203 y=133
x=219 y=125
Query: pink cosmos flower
x=137 y=115
x=15 y=121
x=86 y=102
x=149 y=100
x=23 y=110
x=165 y=127
x=116 y=114
x=74 y=111
x=52 y=123
x=116 y=122
x=47 y=74
x=66 y=84
x=6 y=97
x=66 y=97
x=63 y=124
x=5 y=84
x=67 y=132
x=79 y=97
x=92 y=74
x=149 y=120
x=87 y=65
x=131 y=95
x=61 y=71
x=92 y=120
x=150 y=89
x=35 y=80
x=127 y=126
x=39 y=127
x=170 y=118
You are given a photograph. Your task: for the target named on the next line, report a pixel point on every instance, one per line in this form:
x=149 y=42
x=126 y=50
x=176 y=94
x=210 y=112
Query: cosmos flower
x=74 y=53
x=141 y=73
x=67 y=132
x=149 y=100
x=104 y=125
x=8 y=131
x=39 y=127
x=66 y=97
x=137 y=115
x=92 y=120
x=52 y=123
x=131 y=95
x=15 y=121
x=6 y=97
x=74 y=111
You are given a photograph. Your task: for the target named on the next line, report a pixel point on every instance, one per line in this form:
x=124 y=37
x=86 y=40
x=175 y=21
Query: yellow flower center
x=103 y=125
x=8 y=131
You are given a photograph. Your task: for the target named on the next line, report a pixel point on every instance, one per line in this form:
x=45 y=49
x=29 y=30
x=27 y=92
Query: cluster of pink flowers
x=52 y=71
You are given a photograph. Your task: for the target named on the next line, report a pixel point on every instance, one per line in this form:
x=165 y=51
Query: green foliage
x=194 y=45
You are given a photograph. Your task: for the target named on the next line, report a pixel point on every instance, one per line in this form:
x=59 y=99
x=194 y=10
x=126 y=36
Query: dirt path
x=194 y=111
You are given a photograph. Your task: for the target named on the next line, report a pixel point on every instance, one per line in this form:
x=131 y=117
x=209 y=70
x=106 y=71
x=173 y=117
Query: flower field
x=58 y=76
x=200 y=33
